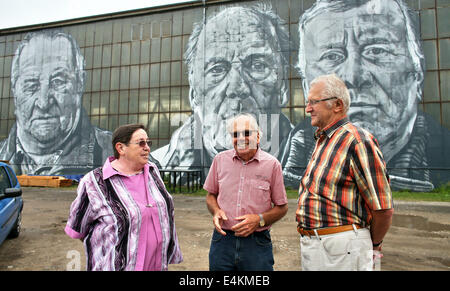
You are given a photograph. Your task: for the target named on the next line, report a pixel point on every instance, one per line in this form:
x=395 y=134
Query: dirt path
x=418 y=239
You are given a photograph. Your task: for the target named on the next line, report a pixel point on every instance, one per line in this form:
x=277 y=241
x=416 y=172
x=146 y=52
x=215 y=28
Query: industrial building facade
x=170 y=68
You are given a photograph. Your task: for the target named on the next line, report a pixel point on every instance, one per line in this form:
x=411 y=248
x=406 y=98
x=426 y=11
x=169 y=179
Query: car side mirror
x=11 y=192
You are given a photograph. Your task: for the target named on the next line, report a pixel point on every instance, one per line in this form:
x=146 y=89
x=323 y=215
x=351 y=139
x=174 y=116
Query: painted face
x=239 y=71
x=369 y=52
x=134 y=152
x=245 y=138
x=46 y=94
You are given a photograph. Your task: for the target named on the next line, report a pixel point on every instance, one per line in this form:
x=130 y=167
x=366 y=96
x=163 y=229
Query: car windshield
x=4 y=180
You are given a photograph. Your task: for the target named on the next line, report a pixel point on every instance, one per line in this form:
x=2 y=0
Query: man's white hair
x=248 y=118
x=334 y=87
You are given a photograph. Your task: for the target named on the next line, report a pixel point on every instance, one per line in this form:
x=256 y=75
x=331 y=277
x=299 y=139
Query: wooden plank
x=44 y=181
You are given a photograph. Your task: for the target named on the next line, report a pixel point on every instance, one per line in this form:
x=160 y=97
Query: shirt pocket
x=260 y=191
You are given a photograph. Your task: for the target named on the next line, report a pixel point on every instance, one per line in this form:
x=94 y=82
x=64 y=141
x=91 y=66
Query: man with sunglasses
x=242 y=185
x=345 y=187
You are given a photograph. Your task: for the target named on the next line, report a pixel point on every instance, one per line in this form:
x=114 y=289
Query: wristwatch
x=261 y=220
x=378 y=244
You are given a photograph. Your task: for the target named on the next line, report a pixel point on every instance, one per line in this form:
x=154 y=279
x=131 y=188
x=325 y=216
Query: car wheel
x=17 y=225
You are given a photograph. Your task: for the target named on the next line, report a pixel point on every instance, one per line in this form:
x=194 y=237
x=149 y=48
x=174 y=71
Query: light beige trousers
x=344 y=251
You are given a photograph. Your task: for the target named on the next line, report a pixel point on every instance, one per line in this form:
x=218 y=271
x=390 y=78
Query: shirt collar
x=109 y=171
x=330 y=129
x=255 y=157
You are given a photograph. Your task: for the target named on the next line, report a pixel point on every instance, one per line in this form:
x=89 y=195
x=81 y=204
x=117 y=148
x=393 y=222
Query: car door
x=7 y=206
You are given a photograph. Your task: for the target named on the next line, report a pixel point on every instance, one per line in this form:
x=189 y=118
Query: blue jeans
x=232 y=253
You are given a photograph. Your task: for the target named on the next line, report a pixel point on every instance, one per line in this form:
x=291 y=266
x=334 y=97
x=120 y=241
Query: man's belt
x=327 y=230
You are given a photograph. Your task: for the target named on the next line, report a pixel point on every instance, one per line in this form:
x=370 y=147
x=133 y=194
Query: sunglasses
x=142 y=143
x=245 y=133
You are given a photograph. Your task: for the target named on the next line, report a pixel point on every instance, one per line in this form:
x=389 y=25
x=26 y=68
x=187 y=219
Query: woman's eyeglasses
x=142 y=143
x=245 y=133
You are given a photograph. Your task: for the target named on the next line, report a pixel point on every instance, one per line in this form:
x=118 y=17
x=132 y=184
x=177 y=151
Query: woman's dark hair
x=123 y=135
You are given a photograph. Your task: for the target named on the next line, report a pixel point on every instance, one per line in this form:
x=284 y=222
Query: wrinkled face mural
x=237 y=63
x=237 y=68
x=52 y=134
x=367 y=46
x=47 y=92
x=374 y=47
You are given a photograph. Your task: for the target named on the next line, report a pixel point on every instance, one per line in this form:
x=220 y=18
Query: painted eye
x=333 y=56
x=58 y=84
x=29 y=87
x=218 y=69
x=258 y=69
x=258 y=66
x=379 y=53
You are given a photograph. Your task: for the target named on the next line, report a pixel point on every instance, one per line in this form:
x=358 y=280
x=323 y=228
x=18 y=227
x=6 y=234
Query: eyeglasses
x=142 y=143
x=314 y=102
x=245 y=133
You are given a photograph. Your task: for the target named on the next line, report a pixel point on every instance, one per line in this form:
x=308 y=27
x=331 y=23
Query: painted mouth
x=45 y=122
x=44 y=118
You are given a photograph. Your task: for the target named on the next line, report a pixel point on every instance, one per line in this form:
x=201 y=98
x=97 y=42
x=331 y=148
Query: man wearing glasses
x=344 y=189
x=242 y=185
x=374 y=47
x=238 y=62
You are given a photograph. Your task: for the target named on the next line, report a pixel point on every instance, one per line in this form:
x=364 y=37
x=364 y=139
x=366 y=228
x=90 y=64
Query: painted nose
x=237 y=85
x=44 y=99
x=353 y=73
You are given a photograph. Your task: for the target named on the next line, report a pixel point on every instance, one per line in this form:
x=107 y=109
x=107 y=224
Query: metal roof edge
x=112 y=15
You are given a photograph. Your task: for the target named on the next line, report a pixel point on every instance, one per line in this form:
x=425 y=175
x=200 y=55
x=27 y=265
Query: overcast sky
x=14 y=13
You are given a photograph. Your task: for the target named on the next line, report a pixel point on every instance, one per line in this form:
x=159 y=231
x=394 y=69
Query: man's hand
x=381 y=221
x=249 y=223
x=218 y=214
x=218 y=218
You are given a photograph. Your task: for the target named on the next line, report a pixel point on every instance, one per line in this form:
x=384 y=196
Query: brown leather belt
x=327 y=230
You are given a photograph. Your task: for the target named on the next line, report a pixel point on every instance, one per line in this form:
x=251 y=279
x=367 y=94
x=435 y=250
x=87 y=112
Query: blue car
x=11 y=203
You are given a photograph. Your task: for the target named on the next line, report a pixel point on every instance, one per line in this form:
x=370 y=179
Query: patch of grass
x=441 y=194
x=184 y=191
x=291 y=193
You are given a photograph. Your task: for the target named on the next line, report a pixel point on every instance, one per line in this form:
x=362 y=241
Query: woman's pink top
x=150 y=236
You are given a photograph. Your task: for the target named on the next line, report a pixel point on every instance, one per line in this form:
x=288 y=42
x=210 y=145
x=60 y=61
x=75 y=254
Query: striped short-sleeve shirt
x=345 y=179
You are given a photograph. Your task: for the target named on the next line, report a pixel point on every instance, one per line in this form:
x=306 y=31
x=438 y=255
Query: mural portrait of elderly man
x=374 y=46
x=237 y=63
x=52 y=134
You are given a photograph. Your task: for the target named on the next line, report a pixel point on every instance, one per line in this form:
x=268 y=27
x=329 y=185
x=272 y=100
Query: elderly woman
x=123 y=212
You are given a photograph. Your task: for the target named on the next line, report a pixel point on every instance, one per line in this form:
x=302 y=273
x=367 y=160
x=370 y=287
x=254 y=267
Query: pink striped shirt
x=245 y=187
